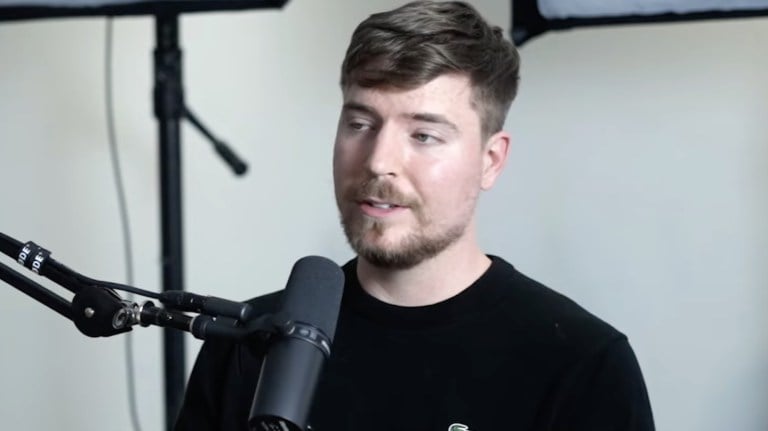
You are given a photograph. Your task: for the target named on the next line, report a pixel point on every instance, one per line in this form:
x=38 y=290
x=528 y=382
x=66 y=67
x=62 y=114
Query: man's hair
x=415 y=43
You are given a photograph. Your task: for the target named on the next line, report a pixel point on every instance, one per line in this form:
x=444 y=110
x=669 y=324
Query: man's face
x=408 y=167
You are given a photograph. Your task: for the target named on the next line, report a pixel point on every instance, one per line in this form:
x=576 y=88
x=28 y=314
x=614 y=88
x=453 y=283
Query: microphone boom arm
x=98 y=311
x=36 y=291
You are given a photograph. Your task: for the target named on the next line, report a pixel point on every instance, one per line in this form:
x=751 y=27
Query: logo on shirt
x=458 y=427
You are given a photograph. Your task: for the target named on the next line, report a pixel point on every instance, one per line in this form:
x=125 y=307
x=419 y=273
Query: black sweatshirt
x=507 y=353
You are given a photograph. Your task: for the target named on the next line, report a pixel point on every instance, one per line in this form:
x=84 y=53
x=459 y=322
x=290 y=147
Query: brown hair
x=415 y=43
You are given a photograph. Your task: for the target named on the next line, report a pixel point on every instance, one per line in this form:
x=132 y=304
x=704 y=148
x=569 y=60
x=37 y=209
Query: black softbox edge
x=528 y=23
x=15 y=13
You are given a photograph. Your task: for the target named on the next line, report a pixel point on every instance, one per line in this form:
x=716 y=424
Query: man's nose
x=386 y=153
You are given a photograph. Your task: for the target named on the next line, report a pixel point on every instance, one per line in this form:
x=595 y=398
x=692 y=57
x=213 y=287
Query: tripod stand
x=170 y=110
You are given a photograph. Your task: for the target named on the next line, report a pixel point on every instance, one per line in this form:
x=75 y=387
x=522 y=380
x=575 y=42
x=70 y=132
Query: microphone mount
x=98 y=311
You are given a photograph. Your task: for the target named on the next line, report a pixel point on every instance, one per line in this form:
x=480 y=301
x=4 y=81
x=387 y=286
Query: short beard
x=418 y=246
x=411 y=251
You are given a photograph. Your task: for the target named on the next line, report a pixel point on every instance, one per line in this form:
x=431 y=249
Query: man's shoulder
x=548 y=315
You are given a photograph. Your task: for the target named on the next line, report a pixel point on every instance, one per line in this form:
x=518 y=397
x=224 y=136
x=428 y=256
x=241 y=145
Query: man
x=433 y=334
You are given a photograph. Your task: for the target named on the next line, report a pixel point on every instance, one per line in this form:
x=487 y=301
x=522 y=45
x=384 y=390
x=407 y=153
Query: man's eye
x=425 y=138
x=359 y=125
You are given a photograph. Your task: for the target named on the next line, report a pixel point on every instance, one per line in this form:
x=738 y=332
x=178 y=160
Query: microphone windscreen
x=313 y=293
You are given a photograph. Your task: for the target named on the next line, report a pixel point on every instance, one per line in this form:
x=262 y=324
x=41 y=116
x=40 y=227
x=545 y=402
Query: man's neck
x=431 y=281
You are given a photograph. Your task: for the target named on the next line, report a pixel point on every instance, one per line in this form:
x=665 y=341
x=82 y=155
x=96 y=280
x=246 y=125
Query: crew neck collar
x=479 y=297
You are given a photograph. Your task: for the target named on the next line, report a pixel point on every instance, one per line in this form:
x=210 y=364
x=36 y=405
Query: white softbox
x=534 y=17
x=31 y=9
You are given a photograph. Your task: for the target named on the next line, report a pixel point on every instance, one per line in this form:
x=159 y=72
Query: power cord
x=128 y=249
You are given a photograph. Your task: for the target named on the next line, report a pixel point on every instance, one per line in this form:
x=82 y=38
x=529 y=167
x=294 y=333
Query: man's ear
x=494 y=158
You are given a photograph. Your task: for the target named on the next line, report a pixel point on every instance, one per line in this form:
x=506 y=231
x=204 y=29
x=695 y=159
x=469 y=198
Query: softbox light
x=533 y=17
x=29 y=9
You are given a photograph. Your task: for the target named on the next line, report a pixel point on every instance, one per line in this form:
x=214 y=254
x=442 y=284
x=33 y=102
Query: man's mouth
x=382 y=198
x=381 y=205
x=379 y=208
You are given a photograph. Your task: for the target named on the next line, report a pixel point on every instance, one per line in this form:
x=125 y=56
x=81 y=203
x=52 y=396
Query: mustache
x=382 y=190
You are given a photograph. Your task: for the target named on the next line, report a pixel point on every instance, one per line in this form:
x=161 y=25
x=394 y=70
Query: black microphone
x=292 y=365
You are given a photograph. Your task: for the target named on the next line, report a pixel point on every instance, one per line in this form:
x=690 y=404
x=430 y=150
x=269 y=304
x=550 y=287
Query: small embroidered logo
x=458 y=427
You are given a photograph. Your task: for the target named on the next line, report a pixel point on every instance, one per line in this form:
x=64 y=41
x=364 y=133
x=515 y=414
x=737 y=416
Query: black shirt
x=507 y=353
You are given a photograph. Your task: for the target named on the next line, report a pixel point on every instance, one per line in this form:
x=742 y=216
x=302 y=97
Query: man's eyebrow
x=433 y=118
x=354 y=106
x=425 y=117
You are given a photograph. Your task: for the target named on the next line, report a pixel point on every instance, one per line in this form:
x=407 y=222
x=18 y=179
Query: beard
x=425 y=240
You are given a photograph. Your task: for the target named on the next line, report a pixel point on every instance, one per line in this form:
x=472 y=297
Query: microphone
x=292 y=365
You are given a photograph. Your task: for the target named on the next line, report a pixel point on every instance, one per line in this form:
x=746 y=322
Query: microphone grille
x=313 y=293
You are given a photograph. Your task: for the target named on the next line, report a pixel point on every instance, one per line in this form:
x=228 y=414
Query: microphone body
x=286 y=386
x=294 y=361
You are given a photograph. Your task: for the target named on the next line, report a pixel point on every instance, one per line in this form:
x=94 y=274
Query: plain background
x=637 y=185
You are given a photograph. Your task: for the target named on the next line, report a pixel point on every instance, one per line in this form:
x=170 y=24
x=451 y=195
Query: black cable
x=130 y=377
x=117 y=286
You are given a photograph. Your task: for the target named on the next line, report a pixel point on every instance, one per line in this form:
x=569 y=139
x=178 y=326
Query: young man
x=433 y=334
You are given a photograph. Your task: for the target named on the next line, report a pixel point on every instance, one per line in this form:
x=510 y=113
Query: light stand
x=169 y=109
x=168 y=106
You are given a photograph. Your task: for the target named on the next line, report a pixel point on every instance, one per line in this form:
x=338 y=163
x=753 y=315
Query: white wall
x=637 y=185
